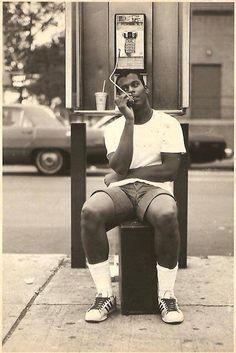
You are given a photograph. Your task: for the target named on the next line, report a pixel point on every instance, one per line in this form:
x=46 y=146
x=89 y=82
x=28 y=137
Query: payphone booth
x=103 y=38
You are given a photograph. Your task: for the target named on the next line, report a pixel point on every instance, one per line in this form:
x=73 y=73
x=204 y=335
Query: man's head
x=126 y=72
x=132 y=83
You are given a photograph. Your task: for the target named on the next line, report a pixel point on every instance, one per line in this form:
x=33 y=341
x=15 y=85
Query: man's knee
x=166 y=217
x=90 y=215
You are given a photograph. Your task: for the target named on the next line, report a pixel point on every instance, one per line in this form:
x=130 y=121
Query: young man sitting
x=144 y=148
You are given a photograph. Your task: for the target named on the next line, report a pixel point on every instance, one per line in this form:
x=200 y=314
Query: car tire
x=49 y=162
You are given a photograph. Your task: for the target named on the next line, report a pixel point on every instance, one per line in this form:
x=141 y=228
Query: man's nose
x=130 y=89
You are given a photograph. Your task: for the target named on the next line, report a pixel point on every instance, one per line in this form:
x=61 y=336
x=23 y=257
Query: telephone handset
x=130 y=103
x=130 y=100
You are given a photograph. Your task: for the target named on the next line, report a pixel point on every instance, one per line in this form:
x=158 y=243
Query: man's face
x=134 y=87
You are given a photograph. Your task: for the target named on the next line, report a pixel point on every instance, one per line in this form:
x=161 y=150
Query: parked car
x=33 y=135
x=204 y=148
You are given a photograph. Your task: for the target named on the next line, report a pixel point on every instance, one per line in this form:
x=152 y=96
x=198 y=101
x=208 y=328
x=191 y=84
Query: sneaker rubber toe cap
x=173 y=317
x=94 y=316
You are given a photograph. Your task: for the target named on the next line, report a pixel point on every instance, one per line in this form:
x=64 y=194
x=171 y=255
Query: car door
x=18 y=132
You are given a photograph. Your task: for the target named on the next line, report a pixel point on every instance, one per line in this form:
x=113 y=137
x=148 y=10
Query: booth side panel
x=95 y=41
x=165 y=56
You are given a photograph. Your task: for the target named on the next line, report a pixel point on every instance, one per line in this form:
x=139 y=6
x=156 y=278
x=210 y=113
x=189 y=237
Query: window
x=12 y=117
x=27 y=123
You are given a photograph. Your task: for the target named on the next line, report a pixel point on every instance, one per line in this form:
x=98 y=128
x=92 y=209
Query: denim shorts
x=132 y=200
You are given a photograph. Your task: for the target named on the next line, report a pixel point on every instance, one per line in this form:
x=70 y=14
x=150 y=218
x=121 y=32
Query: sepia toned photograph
x=117 y=176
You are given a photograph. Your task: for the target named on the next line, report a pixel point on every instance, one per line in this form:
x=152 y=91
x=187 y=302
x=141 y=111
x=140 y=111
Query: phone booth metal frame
x=90 y=58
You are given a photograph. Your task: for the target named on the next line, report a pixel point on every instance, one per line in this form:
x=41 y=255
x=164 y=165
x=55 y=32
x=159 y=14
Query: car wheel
x=49 y=162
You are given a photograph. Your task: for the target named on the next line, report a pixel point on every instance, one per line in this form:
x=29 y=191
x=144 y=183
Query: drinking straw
x=103 y=87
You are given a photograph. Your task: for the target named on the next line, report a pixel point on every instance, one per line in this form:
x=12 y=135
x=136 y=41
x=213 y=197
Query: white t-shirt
x=162 y=133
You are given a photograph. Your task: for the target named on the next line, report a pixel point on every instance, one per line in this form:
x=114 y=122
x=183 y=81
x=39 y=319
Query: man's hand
x=112 y=177
x=122 y=103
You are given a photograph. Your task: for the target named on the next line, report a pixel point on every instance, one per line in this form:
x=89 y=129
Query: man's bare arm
x=167 y=171
x=121 y=159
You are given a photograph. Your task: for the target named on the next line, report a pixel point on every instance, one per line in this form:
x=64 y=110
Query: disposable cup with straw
x=101 y=98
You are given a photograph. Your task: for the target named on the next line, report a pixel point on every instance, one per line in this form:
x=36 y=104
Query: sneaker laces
x=169 y=304
x=101 y=303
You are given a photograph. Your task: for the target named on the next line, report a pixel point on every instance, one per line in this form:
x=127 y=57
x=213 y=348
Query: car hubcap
x=50 y=159
x=50 y=162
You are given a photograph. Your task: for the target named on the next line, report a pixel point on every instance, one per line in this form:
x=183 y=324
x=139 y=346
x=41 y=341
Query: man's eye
x=136 y=84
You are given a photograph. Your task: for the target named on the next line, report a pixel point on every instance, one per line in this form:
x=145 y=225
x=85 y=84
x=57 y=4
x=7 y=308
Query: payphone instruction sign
x=130 y=41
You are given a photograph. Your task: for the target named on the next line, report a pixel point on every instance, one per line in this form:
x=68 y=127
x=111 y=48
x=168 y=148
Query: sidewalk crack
x=31 y=301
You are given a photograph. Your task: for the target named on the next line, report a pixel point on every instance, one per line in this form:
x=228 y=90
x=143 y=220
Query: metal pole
x=181 y=194
x=78 y=191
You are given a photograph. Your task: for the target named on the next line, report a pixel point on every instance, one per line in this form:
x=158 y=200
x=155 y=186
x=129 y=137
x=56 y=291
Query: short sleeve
x=112 y=135
x=173 y=140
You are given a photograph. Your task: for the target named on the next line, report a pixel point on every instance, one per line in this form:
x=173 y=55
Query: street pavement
x=44 y=301
x=36 y=212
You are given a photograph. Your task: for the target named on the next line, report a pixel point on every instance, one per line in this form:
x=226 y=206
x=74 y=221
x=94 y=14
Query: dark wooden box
x=137 y=265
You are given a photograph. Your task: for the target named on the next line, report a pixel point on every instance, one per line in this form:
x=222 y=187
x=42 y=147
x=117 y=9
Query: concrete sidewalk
x=44 y=302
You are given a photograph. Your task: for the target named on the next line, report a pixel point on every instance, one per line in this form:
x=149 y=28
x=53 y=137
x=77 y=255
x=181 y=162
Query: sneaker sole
x=96 y=322
x=102 y=319
x=172 y=322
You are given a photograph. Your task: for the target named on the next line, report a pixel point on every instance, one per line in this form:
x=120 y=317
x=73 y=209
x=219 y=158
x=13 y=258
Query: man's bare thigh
x=101 y=202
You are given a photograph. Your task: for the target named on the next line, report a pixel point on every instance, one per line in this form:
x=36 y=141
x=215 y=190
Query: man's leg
x=97 y=212
x=98 y=215
x=162 y=215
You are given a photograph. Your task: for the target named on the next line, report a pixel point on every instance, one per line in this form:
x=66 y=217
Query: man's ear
x=146 y=89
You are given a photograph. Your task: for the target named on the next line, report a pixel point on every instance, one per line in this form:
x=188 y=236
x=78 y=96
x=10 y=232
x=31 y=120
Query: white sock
x=100 y=273
x=166 y=280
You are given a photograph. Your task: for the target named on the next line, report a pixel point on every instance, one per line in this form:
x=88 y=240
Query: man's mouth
x=135 y=98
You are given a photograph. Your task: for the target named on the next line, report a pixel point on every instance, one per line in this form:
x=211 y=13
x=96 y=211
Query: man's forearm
x=121 y=159
x=156 y=173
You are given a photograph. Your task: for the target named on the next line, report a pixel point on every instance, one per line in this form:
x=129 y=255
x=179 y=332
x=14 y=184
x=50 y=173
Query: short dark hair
x=126 y=72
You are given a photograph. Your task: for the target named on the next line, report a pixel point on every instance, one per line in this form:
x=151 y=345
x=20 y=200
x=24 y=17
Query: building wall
x=212 y=42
